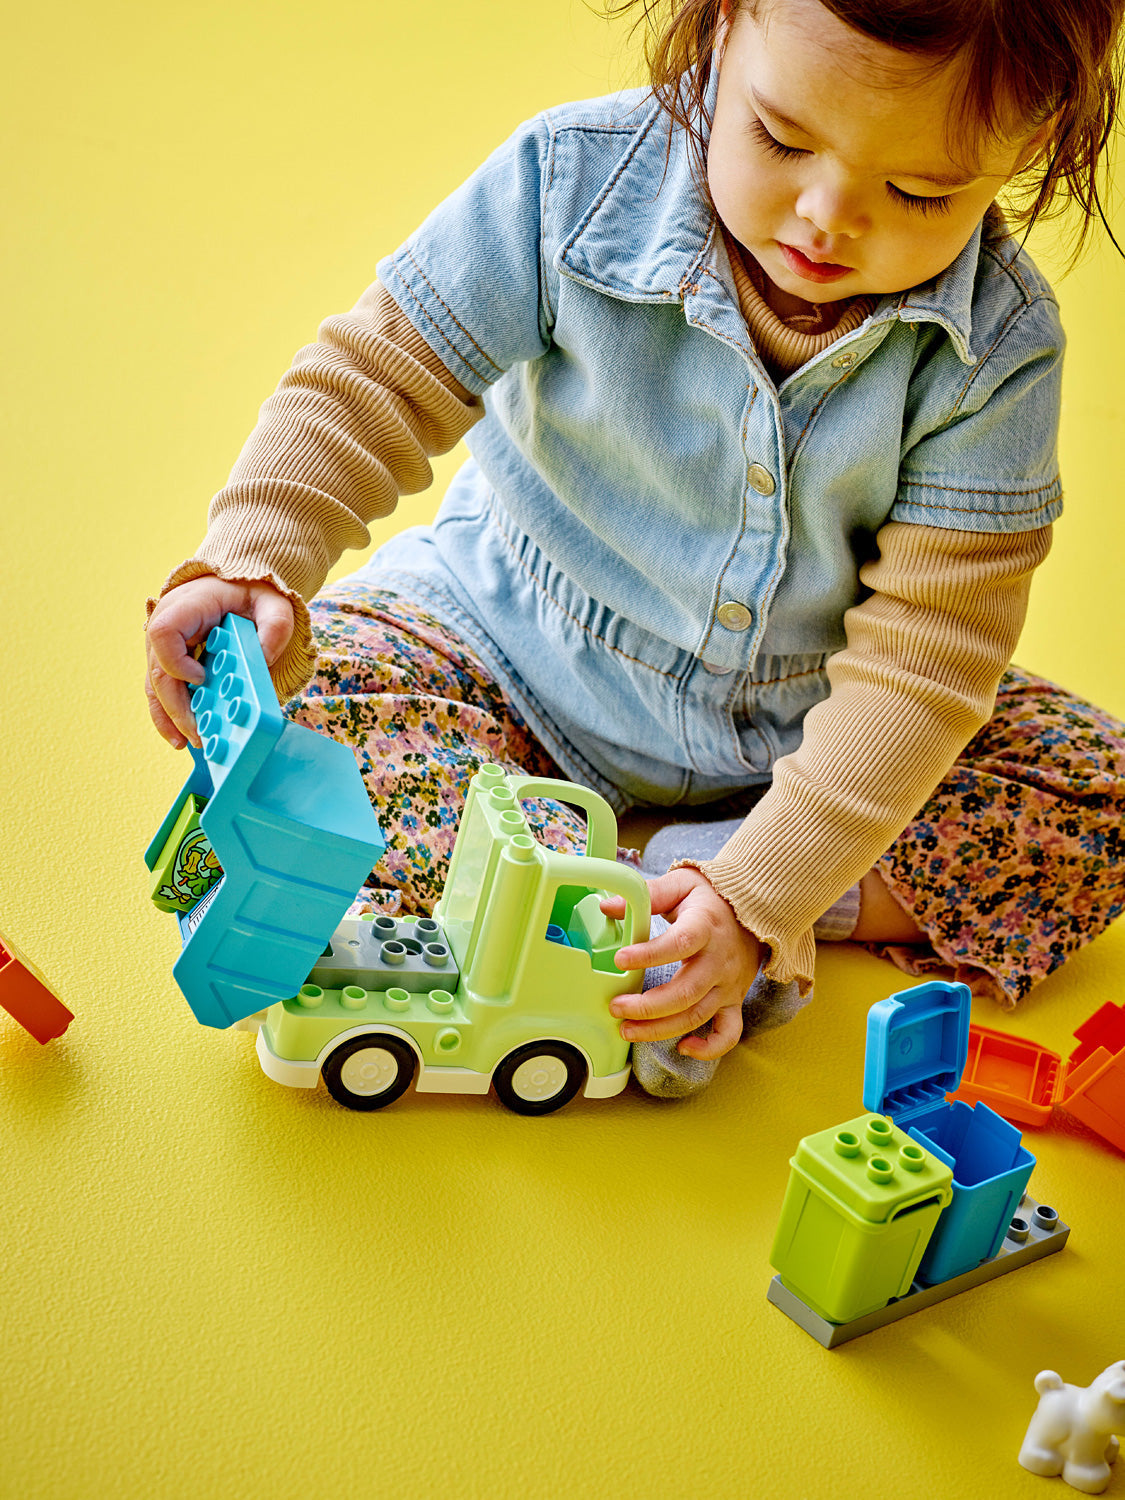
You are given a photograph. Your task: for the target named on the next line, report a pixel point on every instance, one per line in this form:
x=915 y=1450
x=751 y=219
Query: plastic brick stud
x=1072 y=1430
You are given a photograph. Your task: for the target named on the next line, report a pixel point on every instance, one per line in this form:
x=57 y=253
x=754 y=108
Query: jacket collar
x=946 y=300
x=650 y=228
x=650 y=224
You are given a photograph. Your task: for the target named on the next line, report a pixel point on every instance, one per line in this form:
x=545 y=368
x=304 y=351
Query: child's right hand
x=181 y=620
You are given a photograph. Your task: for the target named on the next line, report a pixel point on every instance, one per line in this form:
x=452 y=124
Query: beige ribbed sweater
x=351 y=427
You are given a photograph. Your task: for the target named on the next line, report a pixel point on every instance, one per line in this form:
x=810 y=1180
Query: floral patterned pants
x=1016 y=861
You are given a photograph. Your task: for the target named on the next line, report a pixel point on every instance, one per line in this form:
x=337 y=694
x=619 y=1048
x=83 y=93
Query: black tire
x=388 y=1072
x=533 y=1091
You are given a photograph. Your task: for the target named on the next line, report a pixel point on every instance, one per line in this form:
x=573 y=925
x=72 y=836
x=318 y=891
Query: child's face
x=828 y=157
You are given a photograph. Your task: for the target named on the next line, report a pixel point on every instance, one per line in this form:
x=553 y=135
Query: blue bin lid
x=917 y=1045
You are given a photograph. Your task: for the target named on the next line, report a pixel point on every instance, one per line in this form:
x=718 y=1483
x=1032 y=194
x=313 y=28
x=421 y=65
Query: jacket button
x=733 y=616
x=760 y=479
x=843 y=361
x=717 y=671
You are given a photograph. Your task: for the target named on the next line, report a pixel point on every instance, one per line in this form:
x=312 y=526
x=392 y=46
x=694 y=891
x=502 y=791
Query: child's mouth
x=812 y=270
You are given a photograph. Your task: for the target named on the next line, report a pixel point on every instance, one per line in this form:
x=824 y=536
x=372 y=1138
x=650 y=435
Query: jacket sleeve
x=918 y=677
x=980 y=445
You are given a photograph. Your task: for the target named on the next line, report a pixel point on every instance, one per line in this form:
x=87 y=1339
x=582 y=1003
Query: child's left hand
x=718 y=959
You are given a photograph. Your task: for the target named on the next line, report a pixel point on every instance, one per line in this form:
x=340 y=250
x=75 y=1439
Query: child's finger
x=273 y=620
x=725 y=1034
x=667 y=891
x=168 y=648
x=164 y=725
x=170 y=709
x=681 y=940
x=175 y=696
x=685 y=991
x=681 y=1018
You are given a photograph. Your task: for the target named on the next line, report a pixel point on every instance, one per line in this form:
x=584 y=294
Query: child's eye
x=771 y=144
x=938 y=205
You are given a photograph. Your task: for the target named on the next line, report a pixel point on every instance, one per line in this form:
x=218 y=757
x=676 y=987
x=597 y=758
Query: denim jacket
x=652 y=547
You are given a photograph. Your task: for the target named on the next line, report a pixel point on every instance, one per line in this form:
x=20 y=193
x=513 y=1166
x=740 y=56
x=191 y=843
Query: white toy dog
x=1072 y=1430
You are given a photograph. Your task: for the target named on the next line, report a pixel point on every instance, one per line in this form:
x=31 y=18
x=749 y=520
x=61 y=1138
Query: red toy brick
x=27 y=999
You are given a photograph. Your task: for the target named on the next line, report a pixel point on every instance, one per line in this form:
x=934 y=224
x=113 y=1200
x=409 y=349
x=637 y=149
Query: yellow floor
x=215 y=1287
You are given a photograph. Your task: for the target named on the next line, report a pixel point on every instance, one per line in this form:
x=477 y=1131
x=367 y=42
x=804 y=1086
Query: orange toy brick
x=1026 y=1082
x=27 y=997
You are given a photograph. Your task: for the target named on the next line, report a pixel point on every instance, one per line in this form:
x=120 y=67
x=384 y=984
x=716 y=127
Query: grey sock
x=839 y=921
x=660 y=1070
x=770 y=1003
x=686 y=841
x=667 y=1074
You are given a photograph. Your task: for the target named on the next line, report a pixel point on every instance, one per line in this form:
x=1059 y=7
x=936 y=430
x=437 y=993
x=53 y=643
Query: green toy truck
x=508 y=985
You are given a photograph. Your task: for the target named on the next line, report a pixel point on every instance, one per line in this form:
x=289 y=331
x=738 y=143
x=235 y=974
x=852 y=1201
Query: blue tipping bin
x=917 y=1046
x=289 y=819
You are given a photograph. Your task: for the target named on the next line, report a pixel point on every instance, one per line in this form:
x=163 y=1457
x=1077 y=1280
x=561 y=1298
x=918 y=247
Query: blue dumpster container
x=289 y=820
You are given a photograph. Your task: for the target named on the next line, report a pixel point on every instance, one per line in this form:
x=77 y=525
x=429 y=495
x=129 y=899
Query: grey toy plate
x=1045 y=1235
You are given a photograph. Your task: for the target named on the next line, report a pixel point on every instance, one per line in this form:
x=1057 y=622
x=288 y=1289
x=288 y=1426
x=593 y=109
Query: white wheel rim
x=370 y=1071
x=539 y=1078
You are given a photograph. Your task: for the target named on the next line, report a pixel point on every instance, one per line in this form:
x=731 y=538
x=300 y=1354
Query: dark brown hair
x=1055 y=61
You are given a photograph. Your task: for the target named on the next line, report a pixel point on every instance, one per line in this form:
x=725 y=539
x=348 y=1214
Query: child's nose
x=833 y=208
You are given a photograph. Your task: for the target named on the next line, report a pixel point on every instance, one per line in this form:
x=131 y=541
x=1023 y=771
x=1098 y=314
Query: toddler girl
x=762 y=400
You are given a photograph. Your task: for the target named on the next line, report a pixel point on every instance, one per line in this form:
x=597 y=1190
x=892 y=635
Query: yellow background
x=216 y=1287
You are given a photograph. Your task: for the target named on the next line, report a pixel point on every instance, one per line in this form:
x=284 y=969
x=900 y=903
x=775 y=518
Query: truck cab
x=506 y=986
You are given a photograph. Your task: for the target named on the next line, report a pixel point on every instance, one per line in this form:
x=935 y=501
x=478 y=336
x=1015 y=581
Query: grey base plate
x=1046 y=1234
